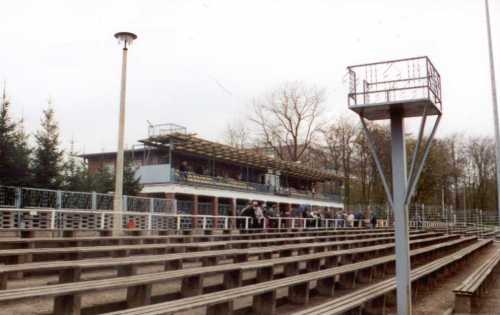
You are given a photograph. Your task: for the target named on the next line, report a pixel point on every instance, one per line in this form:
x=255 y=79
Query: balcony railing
x=191 y=178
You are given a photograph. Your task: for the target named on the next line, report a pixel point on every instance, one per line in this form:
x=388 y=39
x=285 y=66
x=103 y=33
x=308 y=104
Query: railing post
x=58 y=199
x=19 y=197
x=53 y=219
x=279 y=222
x=151 y=205
x=94 y=200
x=125 y=204
x=103 y=218
x=173 y=202
x=226 y=223
x=293 y=223
x=204 y=222
x=178 y=222
x=247 y=219
x=305 y=223
x=317 y=221
x=150 y=222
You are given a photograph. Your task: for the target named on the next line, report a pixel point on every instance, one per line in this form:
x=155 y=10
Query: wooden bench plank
x=174 y=261
x=252 y=290
x=147 y=279
x=358 y=298
x=467 y=293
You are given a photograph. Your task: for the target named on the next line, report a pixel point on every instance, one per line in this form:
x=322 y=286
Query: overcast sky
x=198 y=63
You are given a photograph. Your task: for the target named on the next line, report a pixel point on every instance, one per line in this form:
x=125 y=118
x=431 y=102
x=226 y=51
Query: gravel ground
x=441 y=299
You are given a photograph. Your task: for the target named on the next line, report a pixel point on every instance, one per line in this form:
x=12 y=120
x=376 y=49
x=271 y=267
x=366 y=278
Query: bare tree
x=288 y=118
x=339 y=138
x=237 y=135
x=481 y=155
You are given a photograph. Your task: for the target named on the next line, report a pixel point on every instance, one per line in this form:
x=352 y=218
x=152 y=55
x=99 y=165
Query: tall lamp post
x=126 y=39
x=495 y=106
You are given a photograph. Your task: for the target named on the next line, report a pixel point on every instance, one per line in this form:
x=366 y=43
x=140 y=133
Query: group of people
x=350 y=219
x=263 y=215
x=258 y=213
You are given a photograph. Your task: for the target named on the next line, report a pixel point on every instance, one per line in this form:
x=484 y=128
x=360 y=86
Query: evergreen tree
x=22 y=153
x=76 y=175
x=48 y=157
x=14 y=149
x=131 y=183
x=103 y=181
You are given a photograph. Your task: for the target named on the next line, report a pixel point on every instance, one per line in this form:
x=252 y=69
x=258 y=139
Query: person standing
x=350 y=219
x=259 y=216
x=340 y=219
x=248 y=212
x=184 y=170
x=373 y=220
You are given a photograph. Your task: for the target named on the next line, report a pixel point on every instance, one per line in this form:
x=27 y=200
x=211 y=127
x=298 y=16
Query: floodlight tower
x=126 y=39
x=396 y=90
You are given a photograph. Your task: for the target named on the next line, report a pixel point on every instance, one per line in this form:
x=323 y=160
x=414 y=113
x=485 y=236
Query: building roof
x=191 y=144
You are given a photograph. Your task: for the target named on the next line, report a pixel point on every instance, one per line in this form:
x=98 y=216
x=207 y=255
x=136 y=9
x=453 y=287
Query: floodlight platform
x=411 y=87
x=395 y=90
x=412 y=108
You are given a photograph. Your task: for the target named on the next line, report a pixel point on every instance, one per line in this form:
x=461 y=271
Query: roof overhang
x=194 y=145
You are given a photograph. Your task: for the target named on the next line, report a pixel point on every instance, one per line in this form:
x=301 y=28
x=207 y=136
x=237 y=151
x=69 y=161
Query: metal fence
x=72 y=219
x=35 y=198
x=65 y=219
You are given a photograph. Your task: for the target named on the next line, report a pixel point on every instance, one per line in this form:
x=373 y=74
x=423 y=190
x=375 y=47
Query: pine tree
x=102 y=181
x=76 y=175
x=131 y=183
x=22 y=155
x=14 y=149
x=48 y=158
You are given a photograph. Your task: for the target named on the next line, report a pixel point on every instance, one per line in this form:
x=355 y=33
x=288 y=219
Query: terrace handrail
x=84 y=219
x=238 y=185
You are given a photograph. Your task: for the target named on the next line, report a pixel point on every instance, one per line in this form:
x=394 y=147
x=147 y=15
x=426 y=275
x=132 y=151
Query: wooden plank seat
x=74 y=253
x=470 y=291
x=175 y=261
x=264 y=294
x=33 y=233
x=372 y=299
x=68 y=295
x=29 y=254
x=488 y=234
x=104 y=241
x=11 y=243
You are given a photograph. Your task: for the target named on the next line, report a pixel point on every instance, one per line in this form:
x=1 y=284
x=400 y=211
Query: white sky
x=198 y=63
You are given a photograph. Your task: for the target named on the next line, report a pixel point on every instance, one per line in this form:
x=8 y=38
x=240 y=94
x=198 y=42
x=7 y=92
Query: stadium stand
x=289 y=262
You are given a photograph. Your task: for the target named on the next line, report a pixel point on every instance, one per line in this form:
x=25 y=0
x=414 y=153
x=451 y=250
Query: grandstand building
x=210 y=178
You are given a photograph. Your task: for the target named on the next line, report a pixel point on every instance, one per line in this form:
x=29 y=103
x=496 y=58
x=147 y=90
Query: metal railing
x=74 y=219
x=35 y=198
x=84 y=219
x=165 y=129
x=394 y=81
x=238 y=185
x=65 y=219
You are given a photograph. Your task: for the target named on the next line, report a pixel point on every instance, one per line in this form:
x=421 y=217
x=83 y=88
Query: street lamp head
x=126 y=38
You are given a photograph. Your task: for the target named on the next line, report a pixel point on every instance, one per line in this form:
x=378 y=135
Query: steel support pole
x=118 y=197
x=399 y=187
x=495 y=105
